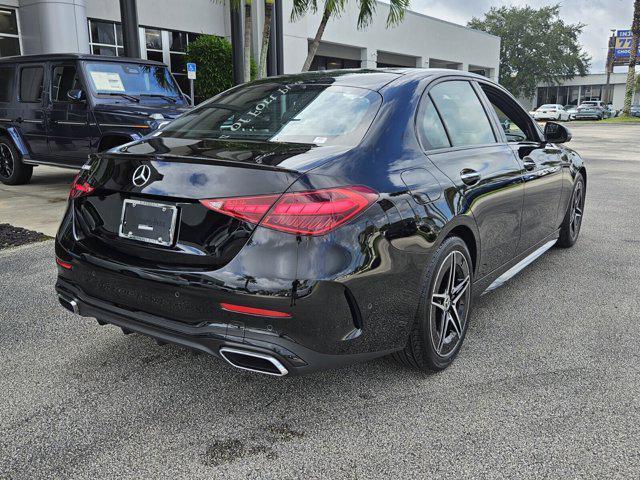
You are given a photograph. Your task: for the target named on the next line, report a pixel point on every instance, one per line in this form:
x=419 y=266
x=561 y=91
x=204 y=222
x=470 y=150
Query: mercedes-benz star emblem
x=141 y=175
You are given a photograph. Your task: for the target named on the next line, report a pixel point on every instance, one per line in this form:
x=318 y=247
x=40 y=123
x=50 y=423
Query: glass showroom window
x=178 y=42
x=9 y=34
x=153 y=44
x=105 y=38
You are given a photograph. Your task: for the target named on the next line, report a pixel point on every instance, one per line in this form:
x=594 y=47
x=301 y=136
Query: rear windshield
x=138 y=80
x=280 y=112
x=549 y=107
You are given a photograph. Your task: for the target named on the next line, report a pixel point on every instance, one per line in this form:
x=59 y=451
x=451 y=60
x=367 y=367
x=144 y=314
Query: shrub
x=212 y=55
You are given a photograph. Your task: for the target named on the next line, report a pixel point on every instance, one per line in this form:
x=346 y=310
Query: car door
x=541 y=163
x=68 y=121
x=31 y=119
x=461 y=141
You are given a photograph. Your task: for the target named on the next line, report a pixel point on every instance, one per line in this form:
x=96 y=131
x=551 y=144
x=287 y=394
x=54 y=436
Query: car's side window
x=6 y=83
x=511 y=129
x=31 y=84
x=462 y=113
x=516 y=122
x=430 y=128
x=63 y=79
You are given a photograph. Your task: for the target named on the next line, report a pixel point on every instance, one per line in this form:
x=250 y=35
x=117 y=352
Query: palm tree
x=635 y=30
x=237 y=5
x=247 y=40
x=397 y=9
x=266 y=33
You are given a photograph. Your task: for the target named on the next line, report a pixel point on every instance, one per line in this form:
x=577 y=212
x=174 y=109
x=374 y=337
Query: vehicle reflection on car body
x=322 y=218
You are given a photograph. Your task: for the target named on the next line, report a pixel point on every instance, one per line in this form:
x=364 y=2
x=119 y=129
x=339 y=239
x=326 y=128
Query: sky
x=600 y=16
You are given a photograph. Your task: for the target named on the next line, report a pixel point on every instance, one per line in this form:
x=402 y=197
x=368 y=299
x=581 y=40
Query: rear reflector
x=80 y=188
x=313 y=212
x=63 y=264
x=258 y=312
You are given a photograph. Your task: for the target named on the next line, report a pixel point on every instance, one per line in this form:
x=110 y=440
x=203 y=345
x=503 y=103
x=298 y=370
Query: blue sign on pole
x=622 y=48
x=191 y=71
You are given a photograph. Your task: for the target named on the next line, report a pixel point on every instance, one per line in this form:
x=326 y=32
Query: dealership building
x=167 y=27
x=581 y=89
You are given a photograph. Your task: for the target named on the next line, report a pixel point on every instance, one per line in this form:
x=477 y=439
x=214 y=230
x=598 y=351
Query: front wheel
x=443 y=312
x=570 y=228
x=12 y=170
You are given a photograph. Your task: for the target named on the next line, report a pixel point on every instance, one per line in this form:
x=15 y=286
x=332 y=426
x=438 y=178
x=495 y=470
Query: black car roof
x=371 y=78
x=75 y=56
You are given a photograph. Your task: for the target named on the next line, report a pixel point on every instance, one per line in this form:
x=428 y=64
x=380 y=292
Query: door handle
x=529 y=164
x=469 y=176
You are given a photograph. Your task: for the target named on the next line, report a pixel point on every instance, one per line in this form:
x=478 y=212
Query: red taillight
x=258 y=312
x=63 y=264
x=79 y=188
x=314 y=212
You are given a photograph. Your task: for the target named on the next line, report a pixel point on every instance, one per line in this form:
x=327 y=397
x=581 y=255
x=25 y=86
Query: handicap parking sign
x=191 y=71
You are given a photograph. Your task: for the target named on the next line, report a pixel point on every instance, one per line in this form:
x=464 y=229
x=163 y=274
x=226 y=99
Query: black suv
x=56 y=109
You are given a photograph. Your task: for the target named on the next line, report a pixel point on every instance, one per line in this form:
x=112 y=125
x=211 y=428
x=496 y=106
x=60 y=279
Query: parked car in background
x=57 y=109
x=610 y=111
x=635 y=111
x=551 y=111
x=571 y=110
x=314 y=220
x=591 y=110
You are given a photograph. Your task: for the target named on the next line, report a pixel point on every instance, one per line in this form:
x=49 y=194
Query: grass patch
x=614 y=120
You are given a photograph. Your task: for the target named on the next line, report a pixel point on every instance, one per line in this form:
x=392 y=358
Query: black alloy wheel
x=12 y=170
x=443 y=315
x=570 y=228
x=449 y=302
x=7 y=161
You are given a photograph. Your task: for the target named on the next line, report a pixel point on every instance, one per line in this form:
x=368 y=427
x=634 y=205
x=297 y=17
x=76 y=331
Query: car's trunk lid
x=145 y=208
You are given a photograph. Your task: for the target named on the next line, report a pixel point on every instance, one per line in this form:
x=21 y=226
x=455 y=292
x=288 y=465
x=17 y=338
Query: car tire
x=572 y=222
x=12 y=170
x=431 y=346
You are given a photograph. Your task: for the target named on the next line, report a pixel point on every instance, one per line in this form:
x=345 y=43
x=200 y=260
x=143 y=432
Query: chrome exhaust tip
x=69 y=303
x=253 y=361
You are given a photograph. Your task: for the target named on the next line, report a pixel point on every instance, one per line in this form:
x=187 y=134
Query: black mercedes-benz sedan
x=309 y=221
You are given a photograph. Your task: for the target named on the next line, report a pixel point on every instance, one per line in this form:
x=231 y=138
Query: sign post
x=191 y=75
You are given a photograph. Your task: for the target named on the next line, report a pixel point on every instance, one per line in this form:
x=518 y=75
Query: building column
x=368 y=58
x=422 y=63
x=54 y=26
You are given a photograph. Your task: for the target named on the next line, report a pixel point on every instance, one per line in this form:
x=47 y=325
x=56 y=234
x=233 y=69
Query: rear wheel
x=12 y=170
x=570 y=228
x=442 y=319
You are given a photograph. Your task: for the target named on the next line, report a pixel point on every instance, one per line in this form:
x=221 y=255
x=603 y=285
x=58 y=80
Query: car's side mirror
x=556 y=133
x=75 y=95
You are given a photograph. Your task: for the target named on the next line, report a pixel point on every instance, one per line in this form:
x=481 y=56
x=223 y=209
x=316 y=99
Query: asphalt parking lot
x=547 y=384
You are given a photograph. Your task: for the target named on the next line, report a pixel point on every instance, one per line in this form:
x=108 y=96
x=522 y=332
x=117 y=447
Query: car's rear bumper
x=209 y=337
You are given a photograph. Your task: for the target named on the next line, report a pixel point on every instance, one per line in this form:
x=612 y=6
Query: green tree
x=635 y=30
x=213 y=56
x=537 y=46
x=333 y=8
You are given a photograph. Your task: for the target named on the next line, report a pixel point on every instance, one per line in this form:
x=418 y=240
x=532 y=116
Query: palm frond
x=365 y=15
x=397 y=9
x=301 y=7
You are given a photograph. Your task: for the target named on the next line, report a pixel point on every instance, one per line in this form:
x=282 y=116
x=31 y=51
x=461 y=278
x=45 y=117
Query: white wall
x=418 y=36
x=198 y=16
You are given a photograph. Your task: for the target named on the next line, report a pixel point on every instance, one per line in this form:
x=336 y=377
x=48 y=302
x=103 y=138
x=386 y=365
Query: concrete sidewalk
x=39 y=205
